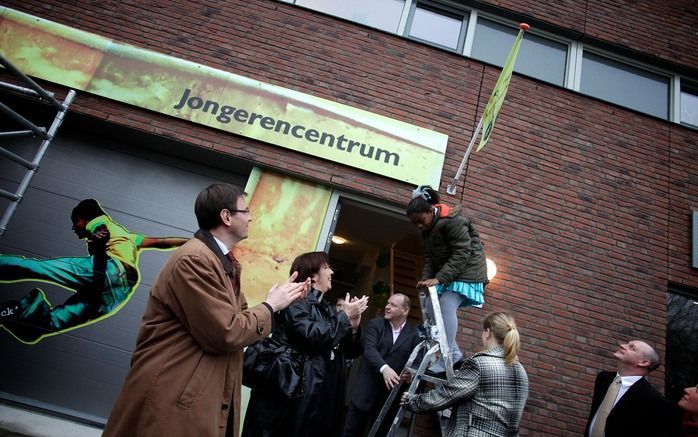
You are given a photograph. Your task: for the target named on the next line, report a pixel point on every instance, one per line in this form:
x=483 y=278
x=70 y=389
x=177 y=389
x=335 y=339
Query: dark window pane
x=681 y=344
x=538 y=57
x=381 y=14
x=439 y=28
x=625 y=85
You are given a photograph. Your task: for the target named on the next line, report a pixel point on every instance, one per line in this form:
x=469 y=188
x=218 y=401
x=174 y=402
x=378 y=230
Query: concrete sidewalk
x=6 y=433
x=17 y=422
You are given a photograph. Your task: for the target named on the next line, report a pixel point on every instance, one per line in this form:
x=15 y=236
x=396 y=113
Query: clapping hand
x=281 y=296
x=354 y=306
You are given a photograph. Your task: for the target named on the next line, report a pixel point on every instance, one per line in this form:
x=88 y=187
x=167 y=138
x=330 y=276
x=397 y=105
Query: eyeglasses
x=241 y=211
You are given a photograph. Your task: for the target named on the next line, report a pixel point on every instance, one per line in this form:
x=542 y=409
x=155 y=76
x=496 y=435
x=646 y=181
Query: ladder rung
x=17 y=133
x=43 y=93
x=7 y=195
x=18 y=159
x=46 y=136
x=21 y=89
x=24 y=122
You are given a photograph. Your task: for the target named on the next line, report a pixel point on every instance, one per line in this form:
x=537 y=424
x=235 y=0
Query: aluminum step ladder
x=31 y=130
x=434 y=334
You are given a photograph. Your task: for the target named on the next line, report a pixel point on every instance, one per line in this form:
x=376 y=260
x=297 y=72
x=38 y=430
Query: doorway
x=374 y=250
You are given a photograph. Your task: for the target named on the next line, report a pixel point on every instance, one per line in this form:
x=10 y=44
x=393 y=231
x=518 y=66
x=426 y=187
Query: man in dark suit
x=388 y=343
x=624 y=403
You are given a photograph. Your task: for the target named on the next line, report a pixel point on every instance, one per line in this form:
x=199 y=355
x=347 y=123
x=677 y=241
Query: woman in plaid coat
x=489 y=392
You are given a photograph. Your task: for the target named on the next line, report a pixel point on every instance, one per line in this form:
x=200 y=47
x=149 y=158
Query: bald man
x=388 y=343
x=634 y=407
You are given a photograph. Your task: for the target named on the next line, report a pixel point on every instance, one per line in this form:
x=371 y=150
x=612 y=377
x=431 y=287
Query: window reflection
x=381 y=14
x=437 y=27
x=538 y=57
x=625 y=85
x=681 y=343
x=689 y=106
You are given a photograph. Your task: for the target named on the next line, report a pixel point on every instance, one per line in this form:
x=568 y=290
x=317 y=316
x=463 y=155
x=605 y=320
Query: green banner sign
x=221 y=100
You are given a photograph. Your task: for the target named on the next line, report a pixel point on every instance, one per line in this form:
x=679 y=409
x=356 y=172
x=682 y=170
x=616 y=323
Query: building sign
x=221 y=100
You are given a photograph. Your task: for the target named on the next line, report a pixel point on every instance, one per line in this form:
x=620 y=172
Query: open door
x=374 y=250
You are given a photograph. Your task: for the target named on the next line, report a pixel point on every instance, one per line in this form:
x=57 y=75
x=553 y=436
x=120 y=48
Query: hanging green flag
x=500 y=90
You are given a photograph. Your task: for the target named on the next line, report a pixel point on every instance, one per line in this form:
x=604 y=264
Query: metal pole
x=18 y=159
x=17 y=133
x=37 y=159
x=23 y=121
x=44 y=95
x=6 y=194
x=451 y=189
x=21 y=89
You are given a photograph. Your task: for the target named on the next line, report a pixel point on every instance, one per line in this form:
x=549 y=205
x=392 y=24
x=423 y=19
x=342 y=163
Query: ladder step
x=39 y=131
x=7 y=195
x=31 y=130
x=18 y=159
x=17 y=133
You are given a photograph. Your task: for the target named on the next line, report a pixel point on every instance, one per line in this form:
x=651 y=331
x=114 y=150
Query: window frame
x=445 y=10
x=575 y=52
x=630 y=63
x=691 y=87
x=514 y=25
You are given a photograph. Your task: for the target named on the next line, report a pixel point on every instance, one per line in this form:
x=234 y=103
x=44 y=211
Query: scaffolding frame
x=31 y=130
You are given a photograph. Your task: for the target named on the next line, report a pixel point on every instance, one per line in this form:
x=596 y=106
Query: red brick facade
x=584 y=205
x=665 y=29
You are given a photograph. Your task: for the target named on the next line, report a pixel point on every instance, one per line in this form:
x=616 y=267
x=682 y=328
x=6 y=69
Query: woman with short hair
x=326 y=336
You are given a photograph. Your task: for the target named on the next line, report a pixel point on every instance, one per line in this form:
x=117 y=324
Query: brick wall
x=665 y=29
x=583 y=205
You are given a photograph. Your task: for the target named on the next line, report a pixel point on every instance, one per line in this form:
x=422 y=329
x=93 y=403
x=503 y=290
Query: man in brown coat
x=186 y=371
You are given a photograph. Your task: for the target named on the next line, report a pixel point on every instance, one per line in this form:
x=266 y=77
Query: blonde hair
x=503 y=327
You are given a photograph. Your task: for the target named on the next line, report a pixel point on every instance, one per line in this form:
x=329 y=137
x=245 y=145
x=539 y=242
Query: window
x=558 y=61
x=381 y=14
x=625 y=85
x=681 y=341
x=538 y=57
x=689 y=105
x=439 y=27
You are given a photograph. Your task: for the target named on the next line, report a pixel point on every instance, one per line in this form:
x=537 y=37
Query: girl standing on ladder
x=454 y=262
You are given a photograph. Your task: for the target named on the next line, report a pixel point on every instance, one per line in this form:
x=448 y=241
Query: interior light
x=491 y=269
x=338 y=240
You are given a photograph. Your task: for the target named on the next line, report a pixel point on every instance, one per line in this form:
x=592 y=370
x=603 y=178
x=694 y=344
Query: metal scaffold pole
x=31 y=130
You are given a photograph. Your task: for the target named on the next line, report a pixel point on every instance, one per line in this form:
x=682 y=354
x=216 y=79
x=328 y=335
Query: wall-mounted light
x=491 y=269
x=338 y=240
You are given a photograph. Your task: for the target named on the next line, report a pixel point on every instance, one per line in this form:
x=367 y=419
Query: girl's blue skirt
x=473 y=292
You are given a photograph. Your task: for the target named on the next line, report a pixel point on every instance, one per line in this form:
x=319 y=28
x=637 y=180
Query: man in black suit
x=388 y=343
x=633 y=407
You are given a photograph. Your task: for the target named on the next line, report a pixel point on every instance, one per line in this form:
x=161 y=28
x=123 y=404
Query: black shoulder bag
x=272 y=366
